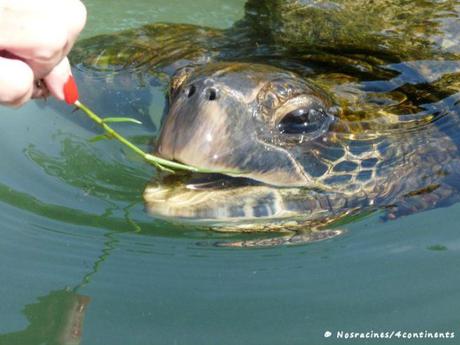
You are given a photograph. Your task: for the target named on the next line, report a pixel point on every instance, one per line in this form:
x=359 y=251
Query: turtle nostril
x=191 y=91
x=211 y=93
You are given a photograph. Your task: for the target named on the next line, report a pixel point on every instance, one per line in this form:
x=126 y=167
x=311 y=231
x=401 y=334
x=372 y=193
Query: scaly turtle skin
x=314 y=135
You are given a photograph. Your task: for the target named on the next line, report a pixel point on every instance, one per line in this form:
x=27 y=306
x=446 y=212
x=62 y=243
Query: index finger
x=41 y=33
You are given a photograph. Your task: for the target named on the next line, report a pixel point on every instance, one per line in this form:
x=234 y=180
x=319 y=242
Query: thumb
x=16 y=82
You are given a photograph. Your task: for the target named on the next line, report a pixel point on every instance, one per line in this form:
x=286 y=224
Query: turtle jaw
x=201 y=207
x=211 y=199
x=232 y=204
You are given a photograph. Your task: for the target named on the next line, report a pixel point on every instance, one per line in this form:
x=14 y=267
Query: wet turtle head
x=255 y=120
x=245 y=118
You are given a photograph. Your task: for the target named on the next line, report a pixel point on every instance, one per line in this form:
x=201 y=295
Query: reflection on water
x=79 y=165
x=56 y=319
x=72 y=219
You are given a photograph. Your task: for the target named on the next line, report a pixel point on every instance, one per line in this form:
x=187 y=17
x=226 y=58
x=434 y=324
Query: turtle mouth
x=215 y=181
x=238 y=203
x=212 y=199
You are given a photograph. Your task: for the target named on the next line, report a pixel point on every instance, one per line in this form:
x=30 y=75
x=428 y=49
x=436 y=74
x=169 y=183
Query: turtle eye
x=304 y=120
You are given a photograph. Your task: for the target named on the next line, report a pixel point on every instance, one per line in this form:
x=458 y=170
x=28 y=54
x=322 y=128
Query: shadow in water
x=57 y=318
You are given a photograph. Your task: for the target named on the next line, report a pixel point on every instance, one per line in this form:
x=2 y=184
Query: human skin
x=35 y=38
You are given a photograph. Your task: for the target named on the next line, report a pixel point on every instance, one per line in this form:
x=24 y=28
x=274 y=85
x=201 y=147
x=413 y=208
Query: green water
x=74 y=233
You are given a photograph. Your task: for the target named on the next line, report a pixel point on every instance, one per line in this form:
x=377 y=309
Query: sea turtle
x=322 y=109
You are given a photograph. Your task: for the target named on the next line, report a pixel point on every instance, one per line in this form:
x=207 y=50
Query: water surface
x=77 y=242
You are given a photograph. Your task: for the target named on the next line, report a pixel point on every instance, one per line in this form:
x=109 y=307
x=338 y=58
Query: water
x=78 y=248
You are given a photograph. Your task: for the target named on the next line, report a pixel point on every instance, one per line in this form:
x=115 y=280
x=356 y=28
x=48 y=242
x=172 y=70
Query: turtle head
x=244 y=118
x=256 y=121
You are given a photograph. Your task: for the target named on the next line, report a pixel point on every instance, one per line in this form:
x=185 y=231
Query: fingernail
x=70 y=91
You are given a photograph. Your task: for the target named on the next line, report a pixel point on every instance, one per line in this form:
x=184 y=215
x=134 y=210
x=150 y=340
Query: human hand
x=35 y=37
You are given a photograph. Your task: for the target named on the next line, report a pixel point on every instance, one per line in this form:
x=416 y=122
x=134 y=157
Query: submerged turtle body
x=311 y=135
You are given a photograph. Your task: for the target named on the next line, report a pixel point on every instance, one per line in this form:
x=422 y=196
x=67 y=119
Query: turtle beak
x=219 y=133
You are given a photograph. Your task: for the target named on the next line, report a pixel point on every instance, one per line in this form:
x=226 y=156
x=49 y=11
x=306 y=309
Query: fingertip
x=16 y=82
x=70 y=91
x=57 y=78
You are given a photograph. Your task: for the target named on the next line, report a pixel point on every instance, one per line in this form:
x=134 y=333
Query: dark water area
x=82 y=262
